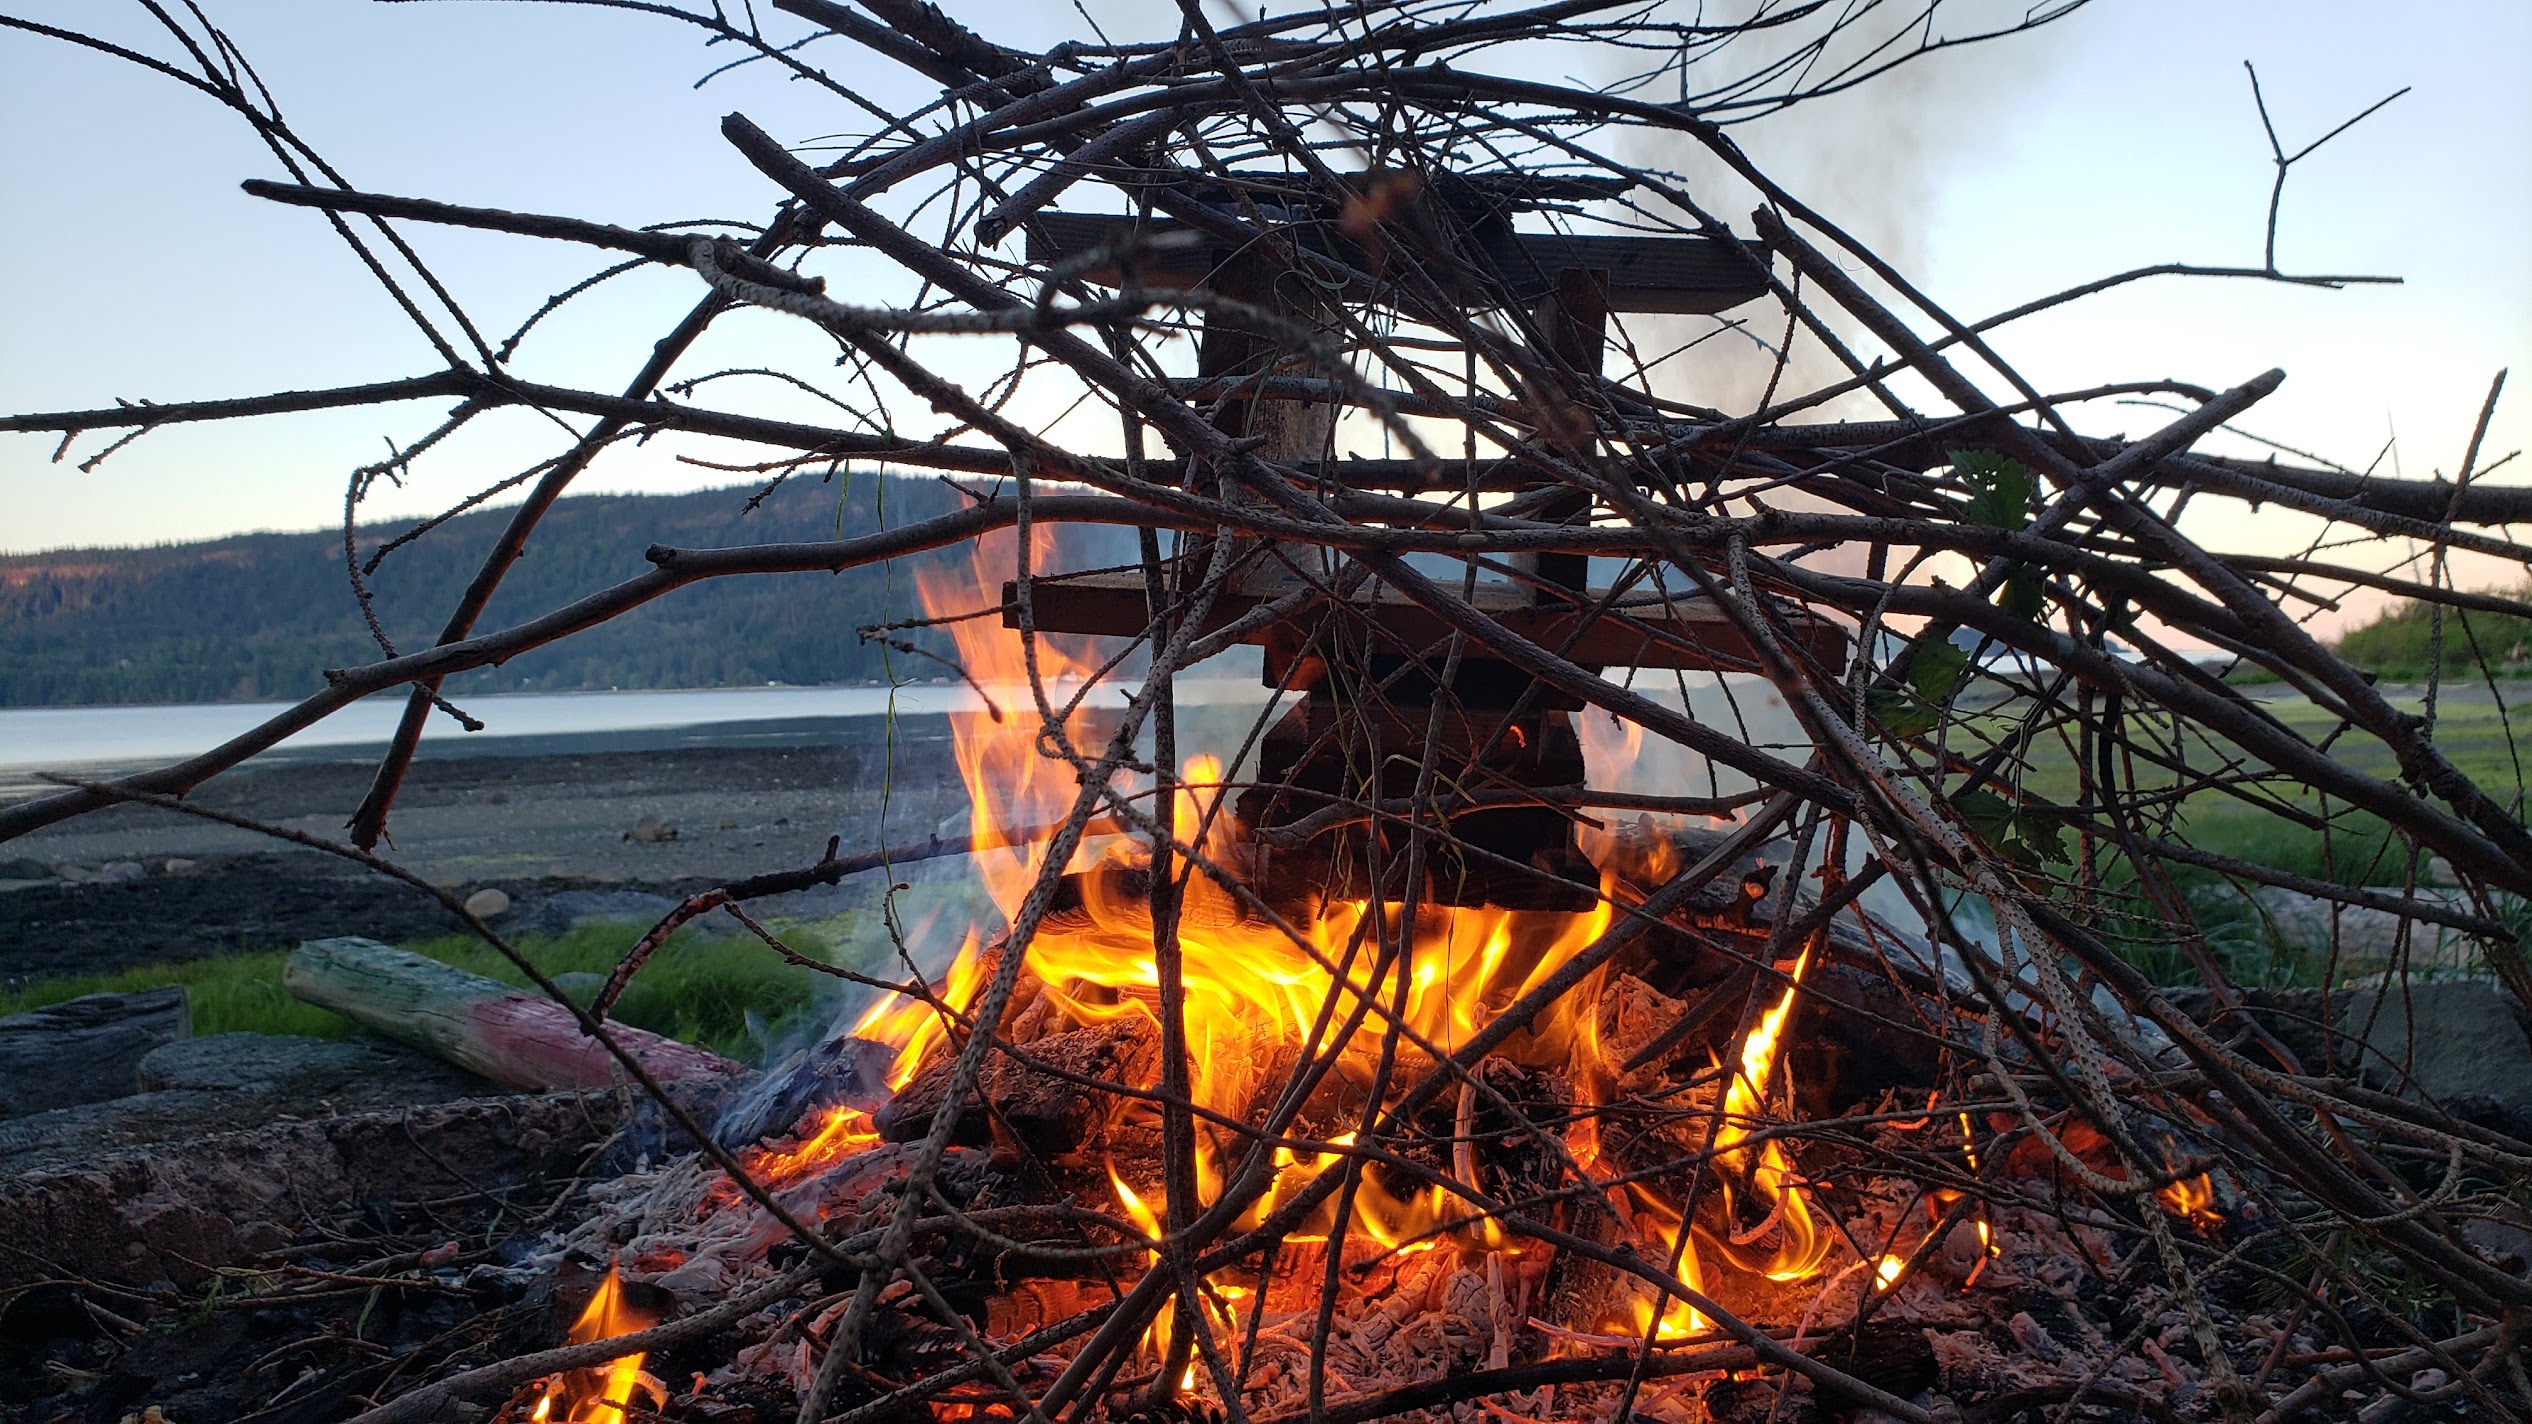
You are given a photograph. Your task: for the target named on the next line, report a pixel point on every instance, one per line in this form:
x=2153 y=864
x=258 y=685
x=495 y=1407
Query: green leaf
x=2022 y=595
x=2029 y=838
x=1935 y=666
x=1901 y=713
x=1990 y=817
x=2000 y=488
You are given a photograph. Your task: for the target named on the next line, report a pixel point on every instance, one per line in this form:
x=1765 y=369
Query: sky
x=132 y=267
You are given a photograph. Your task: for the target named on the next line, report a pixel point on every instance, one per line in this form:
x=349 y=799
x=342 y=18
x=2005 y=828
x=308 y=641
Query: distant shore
x=532 y=822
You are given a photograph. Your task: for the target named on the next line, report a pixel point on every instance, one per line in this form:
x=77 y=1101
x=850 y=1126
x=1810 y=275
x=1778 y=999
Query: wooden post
x=1574 y=316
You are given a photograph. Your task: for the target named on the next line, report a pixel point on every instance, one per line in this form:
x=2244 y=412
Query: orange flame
x=2193 y=1200
x=601 y=1395
x=1800 y=1244
x=1256 y=996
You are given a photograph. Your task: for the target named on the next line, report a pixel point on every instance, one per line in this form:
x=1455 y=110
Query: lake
x=520 y=722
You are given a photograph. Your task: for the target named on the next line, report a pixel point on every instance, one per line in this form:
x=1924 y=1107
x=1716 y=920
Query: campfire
x=1625 y=1161
x=1708 y=920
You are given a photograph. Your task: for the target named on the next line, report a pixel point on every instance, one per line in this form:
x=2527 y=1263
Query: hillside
x=260 y=616
x=2399 y=645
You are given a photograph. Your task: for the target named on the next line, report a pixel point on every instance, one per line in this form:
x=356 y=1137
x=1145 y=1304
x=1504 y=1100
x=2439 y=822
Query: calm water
x=71 y=736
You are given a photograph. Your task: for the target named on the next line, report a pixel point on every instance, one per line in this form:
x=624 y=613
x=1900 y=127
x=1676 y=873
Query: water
x=62 y=737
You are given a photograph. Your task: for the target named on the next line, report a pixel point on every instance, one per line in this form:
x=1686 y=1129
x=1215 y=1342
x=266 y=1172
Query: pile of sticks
x=2067 y=628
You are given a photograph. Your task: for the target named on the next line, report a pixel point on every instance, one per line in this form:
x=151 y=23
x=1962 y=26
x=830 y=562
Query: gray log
x=85 y=1050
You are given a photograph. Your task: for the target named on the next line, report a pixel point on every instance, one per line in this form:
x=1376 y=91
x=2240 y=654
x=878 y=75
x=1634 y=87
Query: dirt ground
x=531 y=825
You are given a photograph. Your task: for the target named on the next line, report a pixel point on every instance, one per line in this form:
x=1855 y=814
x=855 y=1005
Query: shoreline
x=555 y=819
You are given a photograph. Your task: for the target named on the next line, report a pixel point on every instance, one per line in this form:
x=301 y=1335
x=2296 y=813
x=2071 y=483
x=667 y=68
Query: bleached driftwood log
x=515 y=1037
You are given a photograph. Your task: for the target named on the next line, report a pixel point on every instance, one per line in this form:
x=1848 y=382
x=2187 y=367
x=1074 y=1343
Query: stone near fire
x=489 y=903
x=84 y=1050
x=290 y=1068
x=652 y=830
x=2457 y=1041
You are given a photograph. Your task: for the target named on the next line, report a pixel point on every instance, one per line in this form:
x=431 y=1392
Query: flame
x=1800 y=1244
x=601 y=1395
x=1257 y=997
x=1887 y=1271
x=1253 y=995
x=844 y=1132
x=1678 y=1318
x=2193 y=1200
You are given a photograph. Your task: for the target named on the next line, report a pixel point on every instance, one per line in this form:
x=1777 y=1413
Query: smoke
x=1875 y=159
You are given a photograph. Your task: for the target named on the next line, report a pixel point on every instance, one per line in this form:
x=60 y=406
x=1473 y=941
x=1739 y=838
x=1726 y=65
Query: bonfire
x=1672 y=941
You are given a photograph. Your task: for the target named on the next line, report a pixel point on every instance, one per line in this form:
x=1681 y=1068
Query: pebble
x=121 y=870
x=652 y=830
x=488 y=903
x=178 y=865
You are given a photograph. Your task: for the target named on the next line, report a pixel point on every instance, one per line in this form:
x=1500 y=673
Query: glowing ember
x=600 y=1395
x=1887 y=1271
x=2193 y=1200
x=844 y=1132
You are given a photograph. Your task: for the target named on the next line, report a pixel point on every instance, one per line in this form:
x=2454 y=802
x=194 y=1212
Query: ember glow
x=2193 y=1200
x=601 y=1395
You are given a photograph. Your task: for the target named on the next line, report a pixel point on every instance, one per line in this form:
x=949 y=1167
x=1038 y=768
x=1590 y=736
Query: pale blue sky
x=131 y=266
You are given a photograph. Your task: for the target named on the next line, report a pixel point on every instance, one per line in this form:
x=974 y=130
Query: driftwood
x=514 y=1037
x=85 y=1050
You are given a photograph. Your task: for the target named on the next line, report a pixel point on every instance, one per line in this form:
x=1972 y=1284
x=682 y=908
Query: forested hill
x=260 y=616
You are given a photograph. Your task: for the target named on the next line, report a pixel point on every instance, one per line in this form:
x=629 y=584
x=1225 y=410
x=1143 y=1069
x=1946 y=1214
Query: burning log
x=514 y=1037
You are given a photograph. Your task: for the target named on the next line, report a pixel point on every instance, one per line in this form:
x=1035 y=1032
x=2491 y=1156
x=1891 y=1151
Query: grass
x=2478 y=732
x=731 y=995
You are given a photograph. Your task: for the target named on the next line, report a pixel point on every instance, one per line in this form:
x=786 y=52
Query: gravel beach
x=595 y=820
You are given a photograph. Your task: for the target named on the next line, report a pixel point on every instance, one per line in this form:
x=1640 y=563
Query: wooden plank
x=1646 y=274
x=1688 y=634
x=514 y=1037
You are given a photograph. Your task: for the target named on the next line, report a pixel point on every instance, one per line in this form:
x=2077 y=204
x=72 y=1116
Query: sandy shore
x=535 y=822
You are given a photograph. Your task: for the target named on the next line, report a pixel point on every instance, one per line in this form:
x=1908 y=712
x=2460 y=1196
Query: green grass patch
x=236 y=993
x=731 y=995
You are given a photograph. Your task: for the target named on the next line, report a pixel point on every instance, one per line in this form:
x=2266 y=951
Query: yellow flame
x=1887 y=1271
x=2193 y=1200
x=1800 y=1244
x=1254 y=997
x=606 y=1316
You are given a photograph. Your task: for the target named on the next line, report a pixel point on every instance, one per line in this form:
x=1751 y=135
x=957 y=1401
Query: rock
x=119 y=870
x=2456 y=1041
x=567 y=910
x=2308 y=922
x=651 y=830
x=488 y=903
x=23 y=868
x=121 y=1216
x=581 y=984
x=84 y=1050
x=286 y=1067
x=178 y=865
